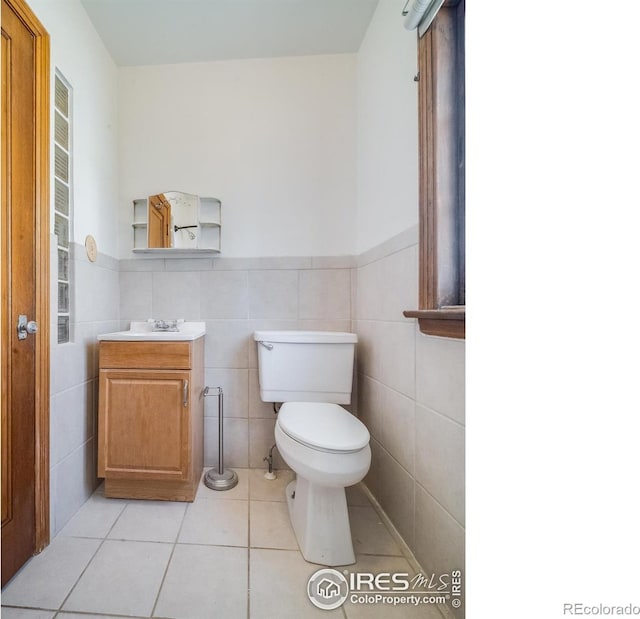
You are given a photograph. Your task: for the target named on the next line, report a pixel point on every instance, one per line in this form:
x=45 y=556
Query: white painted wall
x=78 y=51
x=387 y=121
x=274 y=139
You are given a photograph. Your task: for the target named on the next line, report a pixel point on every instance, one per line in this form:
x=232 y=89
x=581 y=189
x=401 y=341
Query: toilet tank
x=305 y=366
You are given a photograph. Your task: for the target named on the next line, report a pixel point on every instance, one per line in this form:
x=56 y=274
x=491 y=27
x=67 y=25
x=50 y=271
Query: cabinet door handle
x=185 y=393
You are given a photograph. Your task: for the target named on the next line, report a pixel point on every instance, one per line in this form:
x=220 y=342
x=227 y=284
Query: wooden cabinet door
x=144 y=424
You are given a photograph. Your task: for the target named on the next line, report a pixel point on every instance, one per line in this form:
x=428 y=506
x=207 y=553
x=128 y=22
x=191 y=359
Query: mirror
x=176 y=220
x=173 y=220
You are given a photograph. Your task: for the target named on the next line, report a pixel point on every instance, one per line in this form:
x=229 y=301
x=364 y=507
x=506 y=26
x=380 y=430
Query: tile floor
x=227 y=555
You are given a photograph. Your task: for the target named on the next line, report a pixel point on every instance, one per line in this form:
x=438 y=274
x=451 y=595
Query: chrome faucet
x=165 y=325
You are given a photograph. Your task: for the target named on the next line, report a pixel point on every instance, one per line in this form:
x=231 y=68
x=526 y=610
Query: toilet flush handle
x=267 y=345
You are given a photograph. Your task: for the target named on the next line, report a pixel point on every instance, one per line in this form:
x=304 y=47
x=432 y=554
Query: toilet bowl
x=328 y=448
x=311 y=373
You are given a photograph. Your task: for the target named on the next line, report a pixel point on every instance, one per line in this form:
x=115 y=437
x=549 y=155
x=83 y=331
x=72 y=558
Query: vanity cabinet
x=150 y=418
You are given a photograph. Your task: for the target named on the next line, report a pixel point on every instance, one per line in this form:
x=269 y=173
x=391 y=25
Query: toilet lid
x=323 y=425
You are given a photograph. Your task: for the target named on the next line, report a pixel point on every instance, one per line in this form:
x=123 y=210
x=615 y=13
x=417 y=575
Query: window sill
x=440 y=322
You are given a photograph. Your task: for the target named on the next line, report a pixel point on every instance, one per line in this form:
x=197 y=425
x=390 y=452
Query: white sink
x=143 y=332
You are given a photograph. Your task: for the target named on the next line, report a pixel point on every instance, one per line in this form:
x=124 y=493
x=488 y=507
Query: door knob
x=25 y=327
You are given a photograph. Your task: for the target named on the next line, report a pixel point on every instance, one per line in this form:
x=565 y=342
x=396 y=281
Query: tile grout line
x=249 y=544
x=173 y=549
x=104 y=539
x=407 y=553
x=97 y=614
x=37 y=608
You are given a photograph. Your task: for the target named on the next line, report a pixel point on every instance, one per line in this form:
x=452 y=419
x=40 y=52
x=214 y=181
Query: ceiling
x=146 y=32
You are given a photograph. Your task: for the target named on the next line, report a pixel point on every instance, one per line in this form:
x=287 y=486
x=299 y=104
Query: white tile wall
x=72 y=420
x=236 y=297
x=225 y=294
x=135 y=295
x=386 y=353
x=325 y=294
x=440 y=366
x=73 y=480
x=261 y=439
x=273 y=294
x=411 y=397
x=227 y=344
x=236 y=442
x=97 y=291
x=440 y=459
x=399 y=422
x=175 y=295
x=371 y=404
x=394 y=488
x=409 y=387
x=235 y=391
x=74 y=389
x=439 y=541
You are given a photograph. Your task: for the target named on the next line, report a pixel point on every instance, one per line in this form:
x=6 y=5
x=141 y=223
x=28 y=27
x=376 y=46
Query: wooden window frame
x=442 y=191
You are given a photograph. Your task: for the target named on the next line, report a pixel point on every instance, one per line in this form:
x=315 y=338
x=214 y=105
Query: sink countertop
x=143 y=332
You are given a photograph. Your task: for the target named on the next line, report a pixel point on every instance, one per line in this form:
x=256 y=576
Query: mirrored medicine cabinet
x=176 y=223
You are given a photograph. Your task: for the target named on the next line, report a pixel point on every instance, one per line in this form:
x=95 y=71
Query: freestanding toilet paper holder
x=222 y=479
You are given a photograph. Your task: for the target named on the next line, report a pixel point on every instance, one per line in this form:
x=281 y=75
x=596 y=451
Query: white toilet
x=311 y=372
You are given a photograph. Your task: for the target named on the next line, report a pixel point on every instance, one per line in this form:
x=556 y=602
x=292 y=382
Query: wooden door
x=25 y=284
x=159 y=221
x=144 y=424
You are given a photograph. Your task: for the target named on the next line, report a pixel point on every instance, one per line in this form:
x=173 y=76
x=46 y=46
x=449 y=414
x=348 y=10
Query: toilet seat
x=323 y=426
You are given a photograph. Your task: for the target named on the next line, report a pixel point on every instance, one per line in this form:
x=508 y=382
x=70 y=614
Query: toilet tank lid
x=306 y=337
